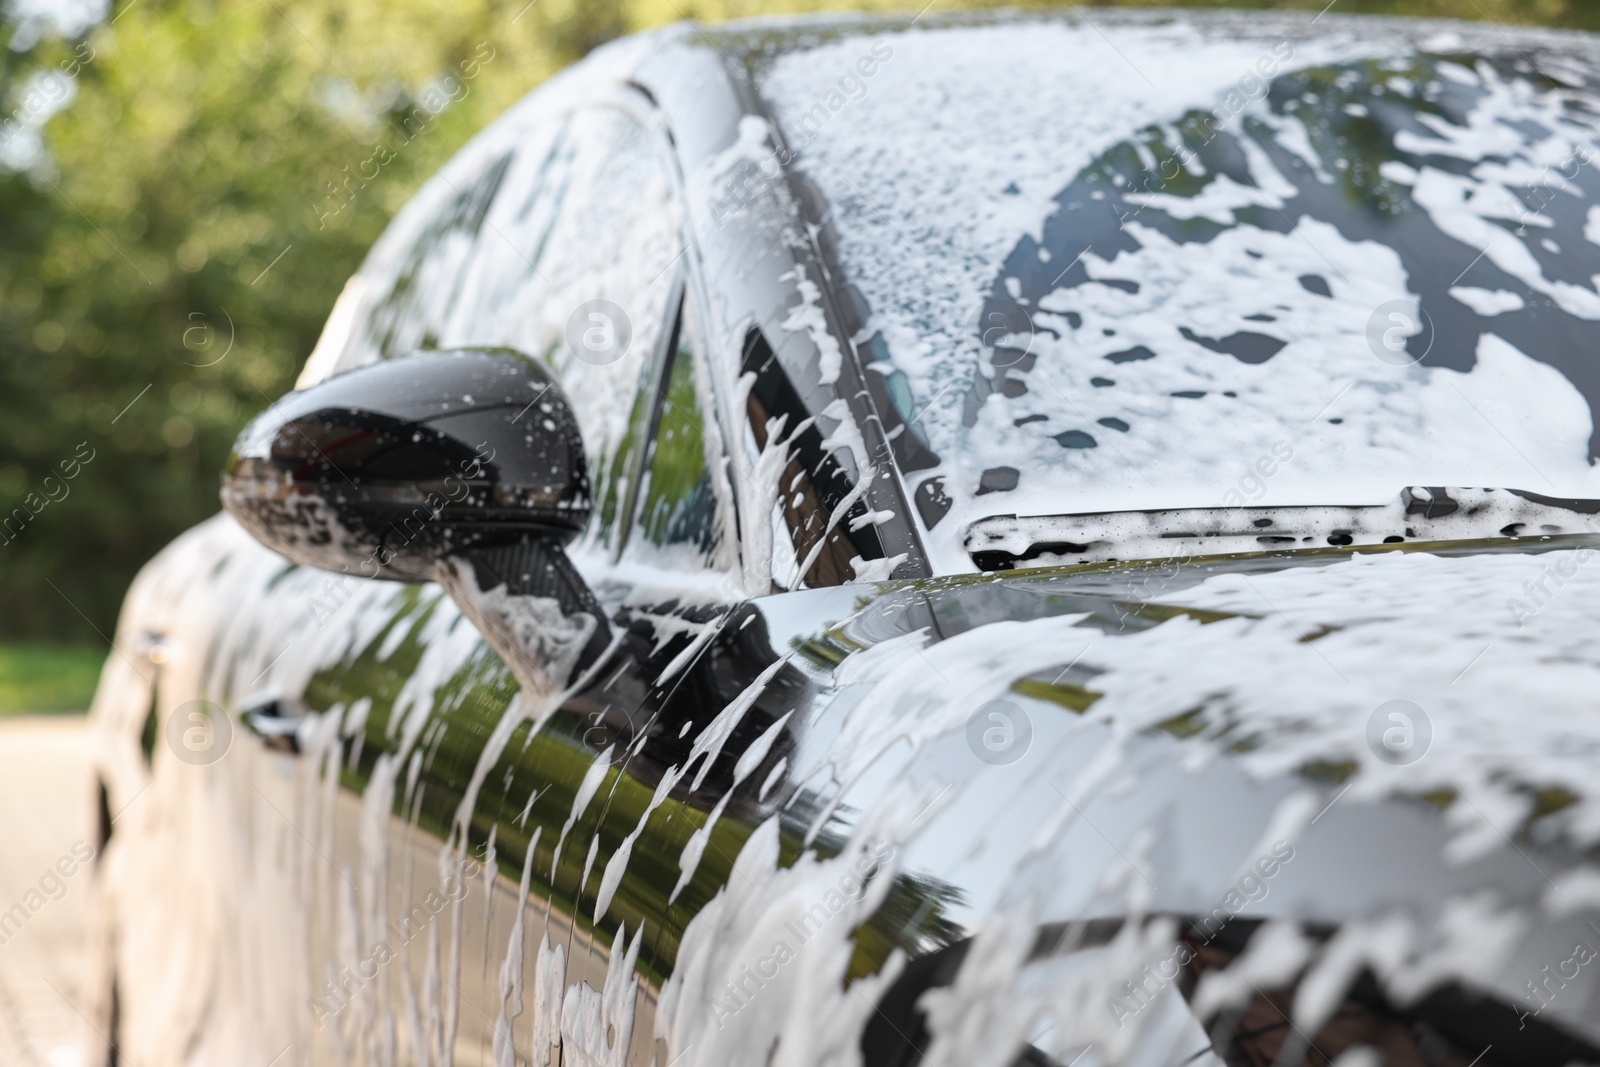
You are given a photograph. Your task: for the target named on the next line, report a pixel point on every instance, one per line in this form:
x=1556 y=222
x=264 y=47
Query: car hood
x=1279 y=661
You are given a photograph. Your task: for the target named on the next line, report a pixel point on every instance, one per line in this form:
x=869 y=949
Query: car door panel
x=542 y=229
x=431 y=696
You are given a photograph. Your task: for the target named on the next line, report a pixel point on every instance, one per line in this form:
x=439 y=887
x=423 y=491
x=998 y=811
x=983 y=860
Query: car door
x=430 y=802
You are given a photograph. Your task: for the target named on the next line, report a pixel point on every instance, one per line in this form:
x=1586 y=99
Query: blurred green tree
x=168 y=261
x=169 y=253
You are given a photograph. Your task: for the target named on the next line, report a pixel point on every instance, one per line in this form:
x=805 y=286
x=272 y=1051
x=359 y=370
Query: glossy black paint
x=651 y=716
x=651 y=720
x=384 y=469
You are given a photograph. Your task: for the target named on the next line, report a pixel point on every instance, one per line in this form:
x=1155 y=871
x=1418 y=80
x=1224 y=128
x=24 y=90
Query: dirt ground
x=46 y=808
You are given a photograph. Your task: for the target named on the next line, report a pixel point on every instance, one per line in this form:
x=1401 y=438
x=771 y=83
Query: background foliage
x=167 y=256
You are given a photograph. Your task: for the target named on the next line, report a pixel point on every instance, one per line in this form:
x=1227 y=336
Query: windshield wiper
x=1421 y=513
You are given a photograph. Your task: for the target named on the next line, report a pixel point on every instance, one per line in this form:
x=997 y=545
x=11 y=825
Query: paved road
x=46 y=806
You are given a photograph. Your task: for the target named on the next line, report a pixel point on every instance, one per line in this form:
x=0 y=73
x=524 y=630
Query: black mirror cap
x=383 y=470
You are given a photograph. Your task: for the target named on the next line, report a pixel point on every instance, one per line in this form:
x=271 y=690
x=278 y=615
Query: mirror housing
x=386 y=470
x=464 y=467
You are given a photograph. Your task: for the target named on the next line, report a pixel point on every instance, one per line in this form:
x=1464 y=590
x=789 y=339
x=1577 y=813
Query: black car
x=951 y=539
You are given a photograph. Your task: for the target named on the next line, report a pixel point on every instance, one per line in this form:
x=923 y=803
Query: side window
x=813 y=543
x=679 y=518
x=556 y=236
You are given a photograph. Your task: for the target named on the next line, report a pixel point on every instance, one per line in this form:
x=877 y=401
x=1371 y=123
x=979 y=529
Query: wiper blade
x=1421 y=513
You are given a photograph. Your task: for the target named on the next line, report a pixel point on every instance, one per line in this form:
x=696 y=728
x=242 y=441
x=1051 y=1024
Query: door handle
x=266 y=718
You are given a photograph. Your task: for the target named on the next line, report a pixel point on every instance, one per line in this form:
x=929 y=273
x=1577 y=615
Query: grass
x=48 y=678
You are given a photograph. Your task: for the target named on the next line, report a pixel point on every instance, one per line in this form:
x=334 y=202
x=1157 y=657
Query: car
x=1051 y=538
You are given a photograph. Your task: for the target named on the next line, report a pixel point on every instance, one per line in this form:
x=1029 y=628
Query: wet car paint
x=799 y=763
x=817 y=748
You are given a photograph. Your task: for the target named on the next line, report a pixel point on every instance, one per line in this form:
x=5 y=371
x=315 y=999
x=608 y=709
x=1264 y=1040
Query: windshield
x=1178 y=264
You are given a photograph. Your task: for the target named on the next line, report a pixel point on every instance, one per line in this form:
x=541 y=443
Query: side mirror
x=464 y=467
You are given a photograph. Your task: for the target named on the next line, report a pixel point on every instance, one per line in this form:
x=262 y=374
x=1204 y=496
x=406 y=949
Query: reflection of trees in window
x=613 y=472
x=678 y=506
x=914 y=918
